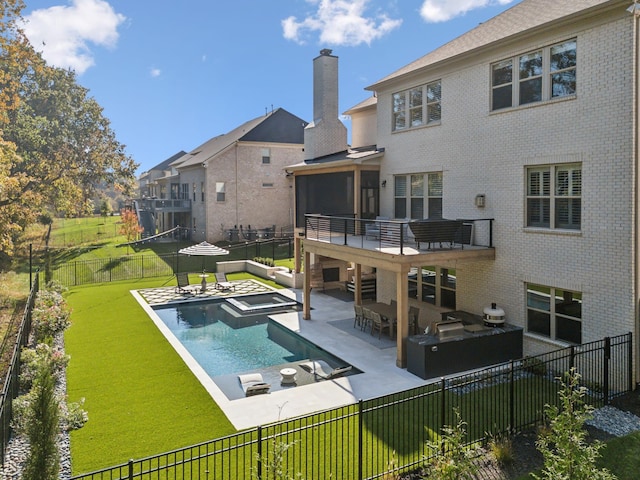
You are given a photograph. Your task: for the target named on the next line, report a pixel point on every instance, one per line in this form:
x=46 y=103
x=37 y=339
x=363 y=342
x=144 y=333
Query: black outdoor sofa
x=439 y=230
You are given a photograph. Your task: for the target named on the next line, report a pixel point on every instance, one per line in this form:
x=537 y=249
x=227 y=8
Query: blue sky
x=172 y=74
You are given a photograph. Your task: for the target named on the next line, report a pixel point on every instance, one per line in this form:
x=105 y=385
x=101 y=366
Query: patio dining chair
x=358 y=316
x=379 y=324
x=367 y=318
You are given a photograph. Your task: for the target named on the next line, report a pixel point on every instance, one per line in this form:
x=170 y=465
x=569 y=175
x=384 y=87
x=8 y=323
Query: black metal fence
x=389 y=435
x=11 y=387
x=129 y=267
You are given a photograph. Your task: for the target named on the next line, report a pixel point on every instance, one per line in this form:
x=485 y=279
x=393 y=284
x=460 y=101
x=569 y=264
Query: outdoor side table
x=288 y=375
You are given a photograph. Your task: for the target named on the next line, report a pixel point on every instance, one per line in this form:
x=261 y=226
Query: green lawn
x=141 y=397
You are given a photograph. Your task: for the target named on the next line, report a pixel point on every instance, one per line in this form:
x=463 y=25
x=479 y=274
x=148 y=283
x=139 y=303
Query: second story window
x=184 y=191
x=266 y=156
x=194 y=191
x=220 y=192
x=541 y=75
x=417 y=106
x=554 y=196
x=202 y=191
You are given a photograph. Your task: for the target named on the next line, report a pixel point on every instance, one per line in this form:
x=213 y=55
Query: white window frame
x=417 y=106
x=266 y=156
x=554 y=197
x=431 y=190
x=220 y=192
x=553 y=310
x=544 y=73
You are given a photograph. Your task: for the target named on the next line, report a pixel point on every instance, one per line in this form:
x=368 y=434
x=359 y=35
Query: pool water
x=224 y=341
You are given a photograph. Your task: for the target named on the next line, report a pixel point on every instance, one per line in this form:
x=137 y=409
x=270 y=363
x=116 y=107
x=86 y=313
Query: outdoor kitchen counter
x=429 y=356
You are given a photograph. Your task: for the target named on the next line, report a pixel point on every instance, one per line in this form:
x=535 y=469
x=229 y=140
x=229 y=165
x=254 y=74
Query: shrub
x=451 y=459
x=534 y=365
x=42 y=356
x=41 y=427
x=50 y=315
x=501 y=447
x=265 y=261
x=564 y=445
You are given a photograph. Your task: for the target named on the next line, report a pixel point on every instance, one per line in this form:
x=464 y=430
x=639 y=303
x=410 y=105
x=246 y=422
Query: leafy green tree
x=567 y=453
x=56 y=146
x=105 y=207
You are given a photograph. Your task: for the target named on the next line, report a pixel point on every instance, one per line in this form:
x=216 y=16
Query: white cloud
x=340 y=22
x=155 y=72
x=65 y=34
x=443 y=10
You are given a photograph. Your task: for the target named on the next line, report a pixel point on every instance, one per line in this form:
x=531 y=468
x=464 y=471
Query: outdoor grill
x=493 y=316
x=449 y=329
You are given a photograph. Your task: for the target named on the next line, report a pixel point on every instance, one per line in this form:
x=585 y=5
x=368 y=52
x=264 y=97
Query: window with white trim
x=266 y=156
x=202 y=191
x=555 y=313
x=554 y=196
x=418 y=196
x=417 y=106
x=542 y=74
x=220 y=192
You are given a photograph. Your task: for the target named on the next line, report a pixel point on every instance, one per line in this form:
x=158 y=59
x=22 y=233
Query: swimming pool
x=225 y=340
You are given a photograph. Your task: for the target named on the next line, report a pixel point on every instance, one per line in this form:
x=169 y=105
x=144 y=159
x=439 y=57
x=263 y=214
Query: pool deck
x=330 y=317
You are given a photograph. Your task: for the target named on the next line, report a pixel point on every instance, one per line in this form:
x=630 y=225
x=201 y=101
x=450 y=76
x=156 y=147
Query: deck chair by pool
x=183 y=284
x=253 y=384
x=223 y=284
x=321 y=369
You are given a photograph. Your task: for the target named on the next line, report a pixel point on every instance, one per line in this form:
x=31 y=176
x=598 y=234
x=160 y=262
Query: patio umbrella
x=203 y=249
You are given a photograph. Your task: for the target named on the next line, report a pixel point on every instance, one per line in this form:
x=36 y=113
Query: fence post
x=442 y=409
x=630 y=361
x=131 y=469
x=606 y=360
x=259 y=458
x=360 y=430
x=572 y=357
x=512 y=394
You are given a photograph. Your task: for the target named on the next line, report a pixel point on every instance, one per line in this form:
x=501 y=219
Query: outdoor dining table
x=386 y=311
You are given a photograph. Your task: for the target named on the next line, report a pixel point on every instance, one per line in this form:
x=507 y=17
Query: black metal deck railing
x=398 y=235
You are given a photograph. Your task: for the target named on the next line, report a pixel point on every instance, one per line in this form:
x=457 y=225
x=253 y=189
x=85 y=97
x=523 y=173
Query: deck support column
x=306 y=291
x=402 y=325
x=357 y=277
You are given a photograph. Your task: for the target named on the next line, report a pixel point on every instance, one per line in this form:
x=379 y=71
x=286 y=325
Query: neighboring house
x=529 y=120
x=234 y=186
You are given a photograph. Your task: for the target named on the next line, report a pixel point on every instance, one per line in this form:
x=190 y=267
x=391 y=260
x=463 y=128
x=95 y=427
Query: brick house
x=526 y=128
x=233 y=186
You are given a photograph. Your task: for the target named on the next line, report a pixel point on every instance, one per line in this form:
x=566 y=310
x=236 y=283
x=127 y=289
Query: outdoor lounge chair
x=321 y=369
x=183 y=284
x=253 y=384
x=223 y=284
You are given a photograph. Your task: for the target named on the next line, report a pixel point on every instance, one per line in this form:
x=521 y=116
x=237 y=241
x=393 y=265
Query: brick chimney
x=326 y=134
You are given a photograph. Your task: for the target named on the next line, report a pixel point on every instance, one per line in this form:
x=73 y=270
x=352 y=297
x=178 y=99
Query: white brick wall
x=480 y=152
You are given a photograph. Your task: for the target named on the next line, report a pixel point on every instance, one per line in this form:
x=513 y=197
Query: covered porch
x=346 y=240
